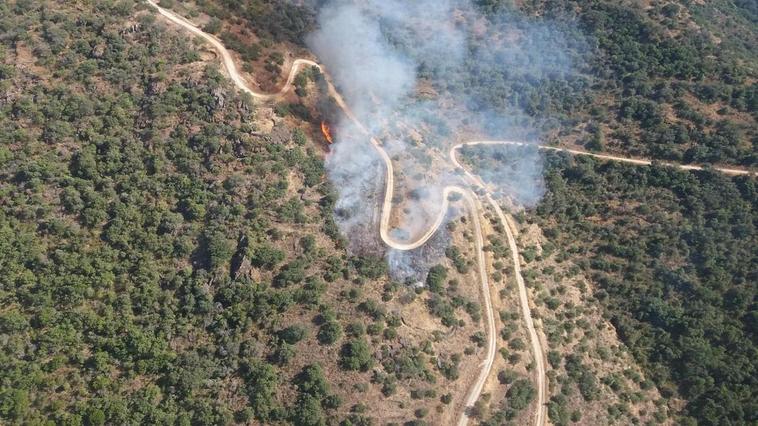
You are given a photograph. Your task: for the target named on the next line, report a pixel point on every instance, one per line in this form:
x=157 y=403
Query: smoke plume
x=418 y=74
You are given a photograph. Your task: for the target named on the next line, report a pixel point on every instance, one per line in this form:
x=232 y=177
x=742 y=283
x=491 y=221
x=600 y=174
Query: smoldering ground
x=427 y=68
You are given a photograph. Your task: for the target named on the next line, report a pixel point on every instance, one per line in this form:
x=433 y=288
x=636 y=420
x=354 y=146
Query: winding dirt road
x=227 y=58
x=384 y=227
x=469 y=196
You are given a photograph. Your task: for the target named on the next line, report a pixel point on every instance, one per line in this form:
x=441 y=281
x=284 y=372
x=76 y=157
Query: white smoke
x=391 y=59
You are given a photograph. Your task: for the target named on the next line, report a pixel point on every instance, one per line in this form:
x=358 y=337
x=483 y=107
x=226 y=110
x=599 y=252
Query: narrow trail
x=469 y=196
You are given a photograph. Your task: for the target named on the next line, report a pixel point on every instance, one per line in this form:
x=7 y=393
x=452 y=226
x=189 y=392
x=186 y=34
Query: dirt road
x=227 y=58
x=637 y=161
x=475 y=390
x=537 y=350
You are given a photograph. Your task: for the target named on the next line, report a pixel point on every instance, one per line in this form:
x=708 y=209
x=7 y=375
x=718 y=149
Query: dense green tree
x=218 y=248
x=261 y=380
x=308 y=412
x=435 y=280
x=311 y=381
x=520 y=394
x=356 y=355
x=139 y=208
x=329 y=332
x=292 y=334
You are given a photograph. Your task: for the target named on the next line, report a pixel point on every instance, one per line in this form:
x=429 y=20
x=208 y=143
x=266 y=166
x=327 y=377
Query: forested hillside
x=134 y=204
x=673 y=261
x=168 y=253
x=663 y=79
x=673 y=256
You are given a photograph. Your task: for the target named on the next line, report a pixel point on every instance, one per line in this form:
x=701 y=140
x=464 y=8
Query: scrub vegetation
x=168 y=250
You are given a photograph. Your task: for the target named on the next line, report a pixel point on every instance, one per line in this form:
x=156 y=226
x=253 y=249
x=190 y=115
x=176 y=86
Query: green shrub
x=356 y=355
x=329 y=333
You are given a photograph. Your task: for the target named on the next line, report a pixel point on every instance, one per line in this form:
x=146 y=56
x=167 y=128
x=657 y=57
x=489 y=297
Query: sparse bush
x=506 y=377
x=517 y=344
x=292 y=334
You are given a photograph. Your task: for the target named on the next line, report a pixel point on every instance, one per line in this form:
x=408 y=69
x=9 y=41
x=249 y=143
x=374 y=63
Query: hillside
x=169 y=252
x=176 y=251
x=671 y=259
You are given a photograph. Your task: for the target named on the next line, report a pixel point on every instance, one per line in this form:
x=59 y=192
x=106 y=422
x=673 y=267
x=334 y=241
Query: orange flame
x=327 y=132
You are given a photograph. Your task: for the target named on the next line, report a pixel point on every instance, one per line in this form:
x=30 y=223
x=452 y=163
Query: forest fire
x=327 y=131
